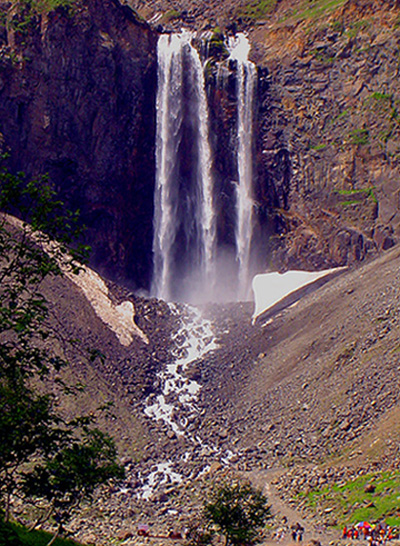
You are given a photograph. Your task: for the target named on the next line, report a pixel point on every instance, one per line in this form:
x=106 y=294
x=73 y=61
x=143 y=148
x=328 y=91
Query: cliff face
x=329 y=134
x=77 y=98
x=327 y=153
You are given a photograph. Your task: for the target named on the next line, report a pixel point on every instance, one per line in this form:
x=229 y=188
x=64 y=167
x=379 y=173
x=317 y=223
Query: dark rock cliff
x=328 y=135
x=77 y=100
x=77 y=95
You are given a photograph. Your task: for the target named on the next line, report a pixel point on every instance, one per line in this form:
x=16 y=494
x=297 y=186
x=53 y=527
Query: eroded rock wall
x=77 y=97
x=77 y=100
x=329 y=137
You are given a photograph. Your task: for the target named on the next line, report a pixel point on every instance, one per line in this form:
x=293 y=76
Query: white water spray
x=176 y=404
x=181 y=225
x=239 y=48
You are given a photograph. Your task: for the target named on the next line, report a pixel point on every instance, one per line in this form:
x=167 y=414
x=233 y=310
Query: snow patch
x=119 y=318
x=269 y=288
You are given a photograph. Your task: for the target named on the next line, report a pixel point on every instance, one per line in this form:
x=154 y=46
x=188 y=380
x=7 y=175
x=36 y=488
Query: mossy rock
x=217 y=47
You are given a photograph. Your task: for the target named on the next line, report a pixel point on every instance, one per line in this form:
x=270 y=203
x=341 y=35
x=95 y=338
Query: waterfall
x=188 y=264
x=184 y=216
x=239 y=48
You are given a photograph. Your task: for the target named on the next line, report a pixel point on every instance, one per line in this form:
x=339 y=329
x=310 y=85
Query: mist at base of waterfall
x=222 y=287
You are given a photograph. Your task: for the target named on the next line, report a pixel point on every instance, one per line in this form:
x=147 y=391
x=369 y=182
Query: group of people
x=375 y=534
x=297 y=532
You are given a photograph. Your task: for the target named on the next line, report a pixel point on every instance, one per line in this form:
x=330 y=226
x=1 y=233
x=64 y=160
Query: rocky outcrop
x=329 y=133
x=77 y=97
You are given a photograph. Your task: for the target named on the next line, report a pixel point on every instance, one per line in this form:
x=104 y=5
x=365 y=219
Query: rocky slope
x=316 y=383
x=333 y=108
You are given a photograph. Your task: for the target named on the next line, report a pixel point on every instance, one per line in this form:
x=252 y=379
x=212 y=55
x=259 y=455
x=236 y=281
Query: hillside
x=307 y=396
x=317 y=383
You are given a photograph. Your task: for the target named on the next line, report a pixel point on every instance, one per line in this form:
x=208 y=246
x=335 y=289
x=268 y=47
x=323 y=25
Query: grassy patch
x=350 y=203
x=315 y=10
x=360 y=137
x=170 y=15
x=356 y=27
x=368 y=191
x=39 y=538
x=380 y=96
x=351 y=503
x=28 y=9
x=256 y=9
x=318 y=147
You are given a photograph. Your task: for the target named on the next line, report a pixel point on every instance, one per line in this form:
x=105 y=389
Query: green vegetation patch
x=368 y=192
x=360 y=137
x=373 y=497
x=319 y=147
x=314 y=10
x=217 y=47
x=170 y=15
x=28 y=9
x=20 y=536
x=356 y=27
x=256 y=9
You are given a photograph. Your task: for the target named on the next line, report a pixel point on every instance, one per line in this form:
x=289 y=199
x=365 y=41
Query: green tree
x=238 y=511
x=73 y=474
x=8 y=536
x=28 y=255
x=26 y=429
x=70 y=459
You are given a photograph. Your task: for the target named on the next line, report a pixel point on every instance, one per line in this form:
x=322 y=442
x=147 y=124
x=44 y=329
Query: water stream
x=239 y=48
x=176 y=403
x=184 y=216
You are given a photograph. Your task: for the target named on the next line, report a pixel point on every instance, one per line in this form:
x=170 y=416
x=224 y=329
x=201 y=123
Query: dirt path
x=288 y=515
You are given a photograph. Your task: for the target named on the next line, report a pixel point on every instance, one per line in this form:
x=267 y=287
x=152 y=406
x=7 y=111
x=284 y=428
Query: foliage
x=26 y=428
x=69 y=458
x=8 y=535
x=27 y=10
x=368 y=192
x=37 y=538
x=28 y=255
x=256 y=9
x=318 y=147
x=198 y=535
x=237 y=510
x=216 y=47
x=170 y=15
x=73 y=473
x=359 y=137
x=350 y=502
x=356 y=27
x=314 y=10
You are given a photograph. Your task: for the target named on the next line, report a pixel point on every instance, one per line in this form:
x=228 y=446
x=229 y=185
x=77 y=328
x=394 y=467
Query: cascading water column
x=169 y=120
x=184 y=217
x=239 y=48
